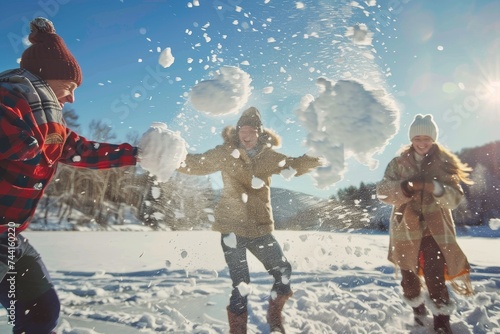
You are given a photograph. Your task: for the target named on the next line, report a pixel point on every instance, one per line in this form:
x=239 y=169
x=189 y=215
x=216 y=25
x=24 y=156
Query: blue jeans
x=26 y=290
x=267 y=250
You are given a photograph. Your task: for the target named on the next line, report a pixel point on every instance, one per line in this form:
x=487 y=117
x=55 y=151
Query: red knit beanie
x=47 y=56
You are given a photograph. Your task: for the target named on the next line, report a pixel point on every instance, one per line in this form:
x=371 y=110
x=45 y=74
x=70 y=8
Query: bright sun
x=493 y=91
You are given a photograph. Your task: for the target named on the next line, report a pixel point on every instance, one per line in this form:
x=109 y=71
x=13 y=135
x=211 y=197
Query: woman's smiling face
x=422 y=144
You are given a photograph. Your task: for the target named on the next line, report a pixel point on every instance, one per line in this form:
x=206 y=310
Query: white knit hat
x=424 y=125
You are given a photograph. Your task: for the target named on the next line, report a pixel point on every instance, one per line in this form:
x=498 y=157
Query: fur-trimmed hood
x=267 y=138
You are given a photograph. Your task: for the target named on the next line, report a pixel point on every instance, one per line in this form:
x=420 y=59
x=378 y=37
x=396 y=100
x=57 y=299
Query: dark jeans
x=267 y=250
x=26 y=290
x=434 y=266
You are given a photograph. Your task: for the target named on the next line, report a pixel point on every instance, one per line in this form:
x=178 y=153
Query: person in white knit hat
x=423 y=184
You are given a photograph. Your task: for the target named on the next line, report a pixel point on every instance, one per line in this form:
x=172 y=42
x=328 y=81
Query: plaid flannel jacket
x=33 y=140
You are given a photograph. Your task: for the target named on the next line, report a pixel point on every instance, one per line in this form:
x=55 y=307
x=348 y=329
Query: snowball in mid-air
x=225 y=94
x=166 y=59
x=494 y=223
x=347 y=119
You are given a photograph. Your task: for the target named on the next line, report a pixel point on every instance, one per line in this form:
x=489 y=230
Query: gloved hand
x=161 y=151
x=416 y=184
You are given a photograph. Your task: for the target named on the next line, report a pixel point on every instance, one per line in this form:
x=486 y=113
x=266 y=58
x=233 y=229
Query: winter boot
x=419 y=310
x=274 y=318
x=442 y=324
x=419 y=314
x=442 y=312
x=237 y=322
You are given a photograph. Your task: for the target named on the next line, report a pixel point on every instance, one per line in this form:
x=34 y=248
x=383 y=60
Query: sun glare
x=494 y=92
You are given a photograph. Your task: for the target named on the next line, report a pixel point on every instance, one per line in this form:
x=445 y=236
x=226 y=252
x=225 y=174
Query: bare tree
x=71 y=118
x=100 y=131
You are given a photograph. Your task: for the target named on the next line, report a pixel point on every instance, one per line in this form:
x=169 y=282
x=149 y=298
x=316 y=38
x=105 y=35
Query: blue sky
x=439 y=57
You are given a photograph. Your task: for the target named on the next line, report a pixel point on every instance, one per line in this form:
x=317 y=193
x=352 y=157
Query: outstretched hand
x=161 y=151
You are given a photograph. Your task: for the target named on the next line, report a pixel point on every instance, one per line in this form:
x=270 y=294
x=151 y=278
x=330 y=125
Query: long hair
x=453 y=164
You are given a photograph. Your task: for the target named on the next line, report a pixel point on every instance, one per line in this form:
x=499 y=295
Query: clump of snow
x=161 y=151
x=155 y=192
x=166 y=59
x=230 y=240
x=494 y=223
x=347 y=120
x=288 y=173
x=146 y=321
x=244 y=289
x=359 y=34
x=257 y=183
x=158 y=215
x=268 y=90
x=225 y=94
x=235 y=154
x=244 y=197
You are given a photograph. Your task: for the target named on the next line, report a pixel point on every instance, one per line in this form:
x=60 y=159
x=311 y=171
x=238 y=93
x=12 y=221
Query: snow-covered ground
x=177 y=282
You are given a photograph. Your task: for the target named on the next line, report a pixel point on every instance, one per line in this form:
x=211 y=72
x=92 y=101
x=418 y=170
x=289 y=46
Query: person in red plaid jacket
x=33 y=140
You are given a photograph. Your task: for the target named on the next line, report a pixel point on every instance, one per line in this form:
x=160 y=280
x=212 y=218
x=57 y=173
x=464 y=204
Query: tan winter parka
x=406 y=225
x=245 y=209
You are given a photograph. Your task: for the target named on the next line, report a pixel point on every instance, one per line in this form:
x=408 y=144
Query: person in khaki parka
x=423 y=185
x=247 y=160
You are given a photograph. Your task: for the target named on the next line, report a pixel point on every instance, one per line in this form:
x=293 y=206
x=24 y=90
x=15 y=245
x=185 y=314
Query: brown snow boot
x=442 y=324
x=274 y=318
x=419 y=314
x=237 y=322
